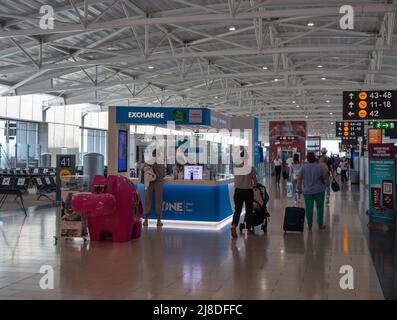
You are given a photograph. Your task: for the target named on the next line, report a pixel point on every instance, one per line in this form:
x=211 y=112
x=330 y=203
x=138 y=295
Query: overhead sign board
x=163 y=115
x=287 y=138
x=389 y=127
x=220 y=121
x=349 y=142
x=383 y=124
x=350 y=129
x=370 y=105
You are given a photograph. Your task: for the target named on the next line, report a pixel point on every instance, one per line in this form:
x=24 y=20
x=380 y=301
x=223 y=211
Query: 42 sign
x=370 y=105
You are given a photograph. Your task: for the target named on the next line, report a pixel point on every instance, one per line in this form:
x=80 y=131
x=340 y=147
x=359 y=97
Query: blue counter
x=204 y=201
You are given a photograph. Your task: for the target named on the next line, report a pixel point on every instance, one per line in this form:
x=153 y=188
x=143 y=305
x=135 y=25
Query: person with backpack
x=311 y=181
x=293 y=174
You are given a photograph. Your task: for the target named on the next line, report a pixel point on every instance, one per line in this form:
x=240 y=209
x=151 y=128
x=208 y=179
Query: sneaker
x=159 y=223
x=145 y=223
x=234 y=232
x=322 y=227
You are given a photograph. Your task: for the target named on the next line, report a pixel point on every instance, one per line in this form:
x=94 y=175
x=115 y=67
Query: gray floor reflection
x=191 y=264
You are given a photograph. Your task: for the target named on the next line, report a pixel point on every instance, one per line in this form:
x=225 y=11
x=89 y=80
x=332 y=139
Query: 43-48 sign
x=370 y=105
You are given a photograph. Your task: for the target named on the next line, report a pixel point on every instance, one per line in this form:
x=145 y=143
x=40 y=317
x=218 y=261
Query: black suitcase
x=294 y=219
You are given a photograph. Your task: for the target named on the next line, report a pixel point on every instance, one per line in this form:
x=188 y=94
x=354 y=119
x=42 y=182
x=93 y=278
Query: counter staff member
x=243 y=194
x=155 y=186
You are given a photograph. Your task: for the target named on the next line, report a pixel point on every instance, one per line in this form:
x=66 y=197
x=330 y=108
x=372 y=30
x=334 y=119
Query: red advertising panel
x=385 y=150
x=293 y=139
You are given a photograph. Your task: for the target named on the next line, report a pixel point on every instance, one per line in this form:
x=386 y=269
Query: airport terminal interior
x=198 y=150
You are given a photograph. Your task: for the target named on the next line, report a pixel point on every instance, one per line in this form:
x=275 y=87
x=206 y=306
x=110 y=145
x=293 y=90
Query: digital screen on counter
x=195 y=172
x=122 y=151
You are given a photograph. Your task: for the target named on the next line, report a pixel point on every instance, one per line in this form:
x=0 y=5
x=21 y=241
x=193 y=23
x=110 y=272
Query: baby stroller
x=260 y=215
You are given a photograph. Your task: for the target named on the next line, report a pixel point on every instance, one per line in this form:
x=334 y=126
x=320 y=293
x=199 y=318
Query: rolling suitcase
x=294 y=219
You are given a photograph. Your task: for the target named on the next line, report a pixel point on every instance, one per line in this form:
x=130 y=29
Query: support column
x=113 y=144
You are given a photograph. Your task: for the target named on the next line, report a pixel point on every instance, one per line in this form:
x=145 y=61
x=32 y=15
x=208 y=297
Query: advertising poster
x=296 y=129
x=375 y=136
x=72 y=224
x=122 y=151
x=256 y=144
x=382 y=183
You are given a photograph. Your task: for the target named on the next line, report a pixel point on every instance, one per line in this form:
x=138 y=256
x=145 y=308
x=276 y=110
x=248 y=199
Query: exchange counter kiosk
x=195 y=195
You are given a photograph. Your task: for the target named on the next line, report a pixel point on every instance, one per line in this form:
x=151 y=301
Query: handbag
x=289 y=190
x=335 y=186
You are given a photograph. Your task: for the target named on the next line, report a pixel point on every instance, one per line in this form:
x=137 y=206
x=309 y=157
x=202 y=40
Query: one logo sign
x=177 y=207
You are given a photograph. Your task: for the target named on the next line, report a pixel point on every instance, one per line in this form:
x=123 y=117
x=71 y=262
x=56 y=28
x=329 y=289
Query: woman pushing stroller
x=247 y=192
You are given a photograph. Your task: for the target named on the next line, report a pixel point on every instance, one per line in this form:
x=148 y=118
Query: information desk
x=201 y=201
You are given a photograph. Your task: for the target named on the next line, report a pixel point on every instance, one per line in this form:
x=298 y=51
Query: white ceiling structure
x=275 y=59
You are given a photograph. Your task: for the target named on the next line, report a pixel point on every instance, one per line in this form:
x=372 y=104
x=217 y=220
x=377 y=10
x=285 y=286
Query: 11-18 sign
x=370 y=105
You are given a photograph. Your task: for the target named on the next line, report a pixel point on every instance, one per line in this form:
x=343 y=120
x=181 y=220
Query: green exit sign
x=383 y=124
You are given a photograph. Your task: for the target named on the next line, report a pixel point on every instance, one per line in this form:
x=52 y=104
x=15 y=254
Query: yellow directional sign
x=378 y=105
x=363 y=95
x=64 y=175
x=362 y=114
x=363 y=104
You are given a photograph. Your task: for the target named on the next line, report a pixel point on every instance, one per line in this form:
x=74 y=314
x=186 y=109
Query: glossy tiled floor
x=179 y=264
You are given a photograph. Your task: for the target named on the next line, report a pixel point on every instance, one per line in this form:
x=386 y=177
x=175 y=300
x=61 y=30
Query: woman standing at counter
x=155 y=186
x=243 y=194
